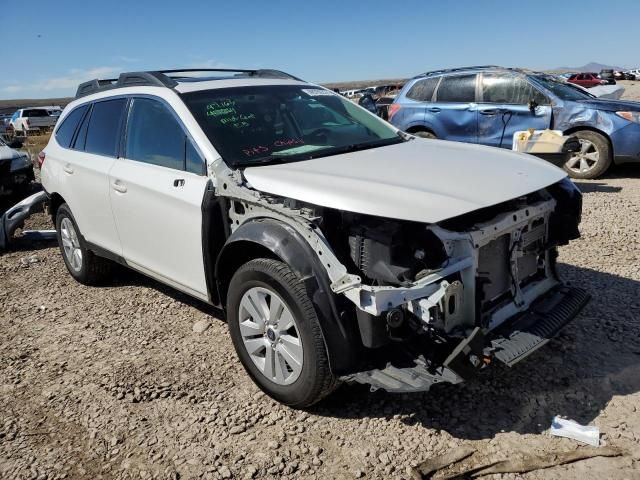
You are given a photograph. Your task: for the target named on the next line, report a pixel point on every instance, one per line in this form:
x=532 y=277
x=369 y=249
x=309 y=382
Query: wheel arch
x=269 y=238
x=55 y=200
x=421 y=128
x=579 y=128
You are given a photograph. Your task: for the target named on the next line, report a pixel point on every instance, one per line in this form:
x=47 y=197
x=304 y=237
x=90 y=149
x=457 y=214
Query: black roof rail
x=165 y=78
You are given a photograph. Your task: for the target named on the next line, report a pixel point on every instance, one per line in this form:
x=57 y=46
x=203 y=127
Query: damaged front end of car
x=433 y=302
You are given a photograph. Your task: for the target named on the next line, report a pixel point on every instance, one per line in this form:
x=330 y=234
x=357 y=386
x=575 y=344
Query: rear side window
x=457 y=88
x=64 y=133
x=104 y=127
x=509 y=89
x=154 y=136
x=422 y=90
x=35 y=112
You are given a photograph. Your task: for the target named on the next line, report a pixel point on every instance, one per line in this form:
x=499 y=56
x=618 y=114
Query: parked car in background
x=16 y=170
x=34 y=120
x=487 y=105
x=337 y=247
x=608 y=76
x=586 y=80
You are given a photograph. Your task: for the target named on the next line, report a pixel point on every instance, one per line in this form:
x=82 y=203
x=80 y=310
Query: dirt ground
x=113 y=382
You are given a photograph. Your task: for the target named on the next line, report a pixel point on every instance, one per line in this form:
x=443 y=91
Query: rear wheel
x=276 y=333
x=83 y=265
x=593 y=159
x=424 y=134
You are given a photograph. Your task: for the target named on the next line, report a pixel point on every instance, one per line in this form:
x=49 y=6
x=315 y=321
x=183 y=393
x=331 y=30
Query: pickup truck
x=32 y=121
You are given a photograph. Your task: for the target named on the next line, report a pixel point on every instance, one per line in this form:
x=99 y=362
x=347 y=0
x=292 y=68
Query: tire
x=424 y=134
x=593 y=160
x=83 y=265
x=260 y=282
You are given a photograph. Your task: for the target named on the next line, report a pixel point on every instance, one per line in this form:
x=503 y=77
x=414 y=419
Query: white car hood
x=7 y=153
x=419 y=180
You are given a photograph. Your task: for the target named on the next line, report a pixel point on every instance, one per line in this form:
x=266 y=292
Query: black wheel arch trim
x=287 y=245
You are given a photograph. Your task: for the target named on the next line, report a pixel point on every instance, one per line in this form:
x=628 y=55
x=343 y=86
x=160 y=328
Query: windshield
x=282 y=123
x=562 y=90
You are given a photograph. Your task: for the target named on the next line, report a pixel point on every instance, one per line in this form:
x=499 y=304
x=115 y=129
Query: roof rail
x=459 y=69
x=165 y=78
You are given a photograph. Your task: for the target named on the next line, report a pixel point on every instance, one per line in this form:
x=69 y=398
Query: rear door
x=414 y=106
x=86 y=165
x=156 y=196
x=504 y=108
x=454 y=112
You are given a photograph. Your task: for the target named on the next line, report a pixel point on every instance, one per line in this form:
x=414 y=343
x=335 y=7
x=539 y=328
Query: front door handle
x=491 y=111
x=434 y=109
x=118 y=187
x=67 y=169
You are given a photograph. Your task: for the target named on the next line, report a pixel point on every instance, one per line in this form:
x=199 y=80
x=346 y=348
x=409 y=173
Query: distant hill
x=589 y=67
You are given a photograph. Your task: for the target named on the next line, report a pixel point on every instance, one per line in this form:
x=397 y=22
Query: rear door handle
x=67 y=169
x=178 y=182
x=118 y=187
x=492 y=111
x=434 y=109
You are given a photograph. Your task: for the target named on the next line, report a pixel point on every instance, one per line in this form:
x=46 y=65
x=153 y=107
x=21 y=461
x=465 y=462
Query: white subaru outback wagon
x=337 y=247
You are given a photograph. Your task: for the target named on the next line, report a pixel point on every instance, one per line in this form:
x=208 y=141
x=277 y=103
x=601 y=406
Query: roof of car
x=476 y=68
x=188 y=80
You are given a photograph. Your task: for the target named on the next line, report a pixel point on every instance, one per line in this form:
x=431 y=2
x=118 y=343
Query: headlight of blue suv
x=631 y=116
x=20 y=163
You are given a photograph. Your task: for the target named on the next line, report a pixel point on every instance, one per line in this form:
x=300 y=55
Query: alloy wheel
x=586 y=159
x=71 y=244
x=270 y=335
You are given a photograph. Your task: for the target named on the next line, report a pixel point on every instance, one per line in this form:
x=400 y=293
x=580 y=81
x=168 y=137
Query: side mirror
x=532 y=106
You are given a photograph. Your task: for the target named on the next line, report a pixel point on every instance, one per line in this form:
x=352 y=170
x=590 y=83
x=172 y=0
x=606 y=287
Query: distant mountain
x=589 y=67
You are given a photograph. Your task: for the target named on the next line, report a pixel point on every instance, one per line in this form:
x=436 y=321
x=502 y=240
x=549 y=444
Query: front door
x=156 y=196
x=504 y=109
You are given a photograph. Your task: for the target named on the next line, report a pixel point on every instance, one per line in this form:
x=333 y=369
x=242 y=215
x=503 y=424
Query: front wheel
x=277 y=335
x=593 y=159
x=424 y=134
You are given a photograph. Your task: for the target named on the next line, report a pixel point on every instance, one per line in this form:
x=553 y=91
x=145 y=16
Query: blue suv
x=488 y=104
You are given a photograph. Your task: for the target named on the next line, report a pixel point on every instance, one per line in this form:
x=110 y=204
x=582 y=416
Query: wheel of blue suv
x=277 y=335
x=593 y=159
x=82 y=264
x=423 y=134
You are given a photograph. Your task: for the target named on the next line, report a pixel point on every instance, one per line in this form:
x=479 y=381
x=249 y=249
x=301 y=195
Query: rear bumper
x=514 y=340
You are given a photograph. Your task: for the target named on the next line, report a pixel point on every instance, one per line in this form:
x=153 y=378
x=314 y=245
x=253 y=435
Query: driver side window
x=509 y=89
x=155 y=136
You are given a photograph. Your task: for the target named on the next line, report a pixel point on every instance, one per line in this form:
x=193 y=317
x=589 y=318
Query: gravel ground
x=135 y=380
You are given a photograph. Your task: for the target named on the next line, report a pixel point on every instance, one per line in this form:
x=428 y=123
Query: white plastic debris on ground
x=613 y=92
x=561 y=427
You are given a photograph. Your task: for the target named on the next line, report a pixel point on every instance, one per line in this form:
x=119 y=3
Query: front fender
x=283 y=242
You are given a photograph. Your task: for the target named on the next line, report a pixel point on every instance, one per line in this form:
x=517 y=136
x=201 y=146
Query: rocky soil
x=135 y=380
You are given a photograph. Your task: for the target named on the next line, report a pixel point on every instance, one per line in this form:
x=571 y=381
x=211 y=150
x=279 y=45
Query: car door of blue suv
x=509 y=103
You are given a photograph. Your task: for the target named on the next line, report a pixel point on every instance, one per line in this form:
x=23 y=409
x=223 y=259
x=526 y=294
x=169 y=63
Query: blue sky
x=53 y=45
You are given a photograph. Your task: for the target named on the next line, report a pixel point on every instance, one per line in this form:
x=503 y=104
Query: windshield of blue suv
x=562 y=90
x=257 y=125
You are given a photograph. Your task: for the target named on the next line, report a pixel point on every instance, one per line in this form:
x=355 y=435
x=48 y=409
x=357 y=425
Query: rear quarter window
x=64 y=133
x=457 y=89
x=422 y=90
x=103 y=132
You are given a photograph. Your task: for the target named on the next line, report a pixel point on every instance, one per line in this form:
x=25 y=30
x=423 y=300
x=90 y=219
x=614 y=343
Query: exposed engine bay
x=427 y=298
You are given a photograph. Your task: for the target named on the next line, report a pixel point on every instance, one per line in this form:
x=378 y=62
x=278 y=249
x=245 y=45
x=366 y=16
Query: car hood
x=419 y=180
x=7 y=153
x=611 y=105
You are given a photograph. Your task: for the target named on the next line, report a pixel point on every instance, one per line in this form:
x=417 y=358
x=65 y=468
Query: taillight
x=27 y=122
x=393 y=109
x=41 y=157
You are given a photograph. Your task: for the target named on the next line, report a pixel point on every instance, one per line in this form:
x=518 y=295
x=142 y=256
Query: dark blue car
x=487 y=105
